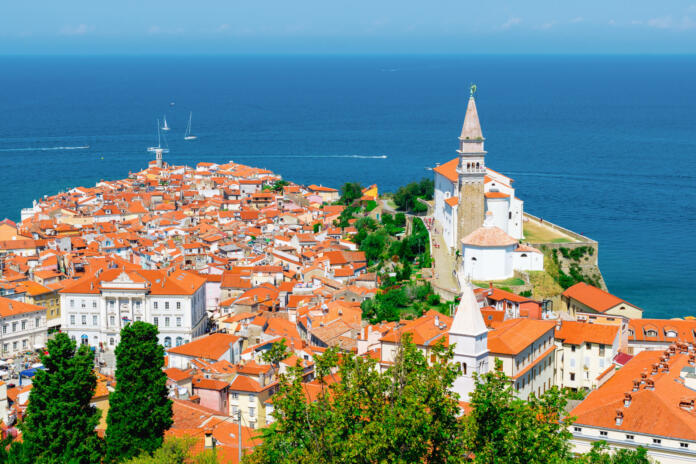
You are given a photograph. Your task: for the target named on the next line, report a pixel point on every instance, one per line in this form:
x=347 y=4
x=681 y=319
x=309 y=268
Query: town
x=231 y=262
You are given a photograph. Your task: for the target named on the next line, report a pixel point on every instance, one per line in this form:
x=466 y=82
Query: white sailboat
x=165 y=127
x=159 y=141
x=188 y=135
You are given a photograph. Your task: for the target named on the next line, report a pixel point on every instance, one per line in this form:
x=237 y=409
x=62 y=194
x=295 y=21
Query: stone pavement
x=443 y=262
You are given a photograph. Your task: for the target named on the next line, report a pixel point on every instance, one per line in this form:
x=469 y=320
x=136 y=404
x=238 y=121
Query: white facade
x=97 y=319
x=21 y=332
x=488 y=263
x=469 y=336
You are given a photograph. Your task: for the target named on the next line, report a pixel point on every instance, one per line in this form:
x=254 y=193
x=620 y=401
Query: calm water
x=603 y=145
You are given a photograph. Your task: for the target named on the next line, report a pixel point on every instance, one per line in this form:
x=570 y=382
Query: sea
x=603 y=145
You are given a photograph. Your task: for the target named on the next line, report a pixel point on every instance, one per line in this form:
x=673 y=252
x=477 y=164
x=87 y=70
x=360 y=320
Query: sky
x=347 y=26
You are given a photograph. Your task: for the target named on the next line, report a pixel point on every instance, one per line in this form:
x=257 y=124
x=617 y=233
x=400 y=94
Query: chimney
x=650 y=384
x=636 y=385
x=209 y=440
x=627 y=399
x=619 y=417
x=655 y=367
x=437 y=321
x=692 y=359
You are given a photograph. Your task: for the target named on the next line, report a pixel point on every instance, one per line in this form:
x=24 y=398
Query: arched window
x=473 y=258
x=523 y=255
x=464 y=368
x=179 y=341
x=167 y=342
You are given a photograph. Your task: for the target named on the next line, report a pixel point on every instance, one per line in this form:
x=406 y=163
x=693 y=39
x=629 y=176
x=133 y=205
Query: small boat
x=188 y=135
x=159 y=141
x=165 y=127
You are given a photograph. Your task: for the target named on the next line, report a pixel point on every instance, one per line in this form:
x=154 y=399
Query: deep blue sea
x=603 y=145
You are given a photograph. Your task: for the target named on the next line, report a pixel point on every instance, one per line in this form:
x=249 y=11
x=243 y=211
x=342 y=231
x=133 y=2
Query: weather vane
x=472 y=89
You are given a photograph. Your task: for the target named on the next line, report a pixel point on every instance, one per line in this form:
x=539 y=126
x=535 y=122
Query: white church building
x=466 y=193
x=469 y=335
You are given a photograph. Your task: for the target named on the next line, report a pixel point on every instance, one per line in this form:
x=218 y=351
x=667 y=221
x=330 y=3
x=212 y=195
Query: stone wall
x=471 y=209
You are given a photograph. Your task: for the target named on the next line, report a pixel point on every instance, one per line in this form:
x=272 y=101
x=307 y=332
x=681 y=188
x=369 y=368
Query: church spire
x=471 y=129
x=468 y=319
x=469 y=336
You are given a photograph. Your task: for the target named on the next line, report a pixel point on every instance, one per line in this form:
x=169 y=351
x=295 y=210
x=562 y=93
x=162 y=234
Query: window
x=178 y=305
x=14 y=345
x=167 y=342
x=603 y=433
x=683 y=445
x=630 y=437
x=179 y=341
x=252 y=412
x=572 y=376
x=235 y=410
x=37 y=321
x=601 y=350
x=83 y=303
x=24 y=343
x=112 y=320
x=111 y=304
x=234 y=396
x=6 y=347
x=166 y=305
x=588 y=346
x=84 y=320
x=137 y=304
x=24 y=325
x=166 y=321
x=154 y=305
x=572 y=348
x=94 y=304
x=4 y=328
x=657 y=441
x=72 y=319
x=14 y=326
x=178 y=322
x=156 y=321
x=138 y=318
x=72 y=303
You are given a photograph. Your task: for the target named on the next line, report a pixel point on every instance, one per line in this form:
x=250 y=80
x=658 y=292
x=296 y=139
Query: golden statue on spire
x=472 y=90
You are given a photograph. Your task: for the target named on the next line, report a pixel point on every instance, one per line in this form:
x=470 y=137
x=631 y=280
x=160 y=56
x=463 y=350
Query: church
x=478 y=212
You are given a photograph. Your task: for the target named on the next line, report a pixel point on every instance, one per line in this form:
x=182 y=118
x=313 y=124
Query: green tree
x=277 y=352
x=316 y=227
x=175 y=450
x=373 y=245
x=601 y=454
x=406 y=414
x=139 y=409
x=60 y=422
x=503 y=428
x=350 y=192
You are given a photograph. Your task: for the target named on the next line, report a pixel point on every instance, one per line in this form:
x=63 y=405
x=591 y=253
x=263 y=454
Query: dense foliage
x=176 y=451
x=404 y=415
x=350 y=192
x=60 y=422
x=406 y=197
x=408 y=414
x=139 y=409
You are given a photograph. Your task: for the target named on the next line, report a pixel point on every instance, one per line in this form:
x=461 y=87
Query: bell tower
x=471 y=170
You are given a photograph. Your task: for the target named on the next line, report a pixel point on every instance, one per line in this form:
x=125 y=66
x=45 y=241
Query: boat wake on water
x=315 y=156
x=85 y=147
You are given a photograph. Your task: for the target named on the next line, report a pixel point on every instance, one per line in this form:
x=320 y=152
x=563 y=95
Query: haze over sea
x=603 y=145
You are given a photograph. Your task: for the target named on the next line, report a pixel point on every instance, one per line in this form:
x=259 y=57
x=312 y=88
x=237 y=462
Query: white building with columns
x=469 y=335
x=96 y=307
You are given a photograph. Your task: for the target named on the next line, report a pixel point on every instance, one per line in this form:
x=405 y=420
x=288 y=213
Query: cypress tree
x=139 y=409
x=60 y=423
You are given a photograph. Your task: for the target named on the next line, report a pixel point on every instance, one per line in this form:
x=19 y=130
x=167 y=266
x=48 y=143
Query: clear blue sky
x=343 y=26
